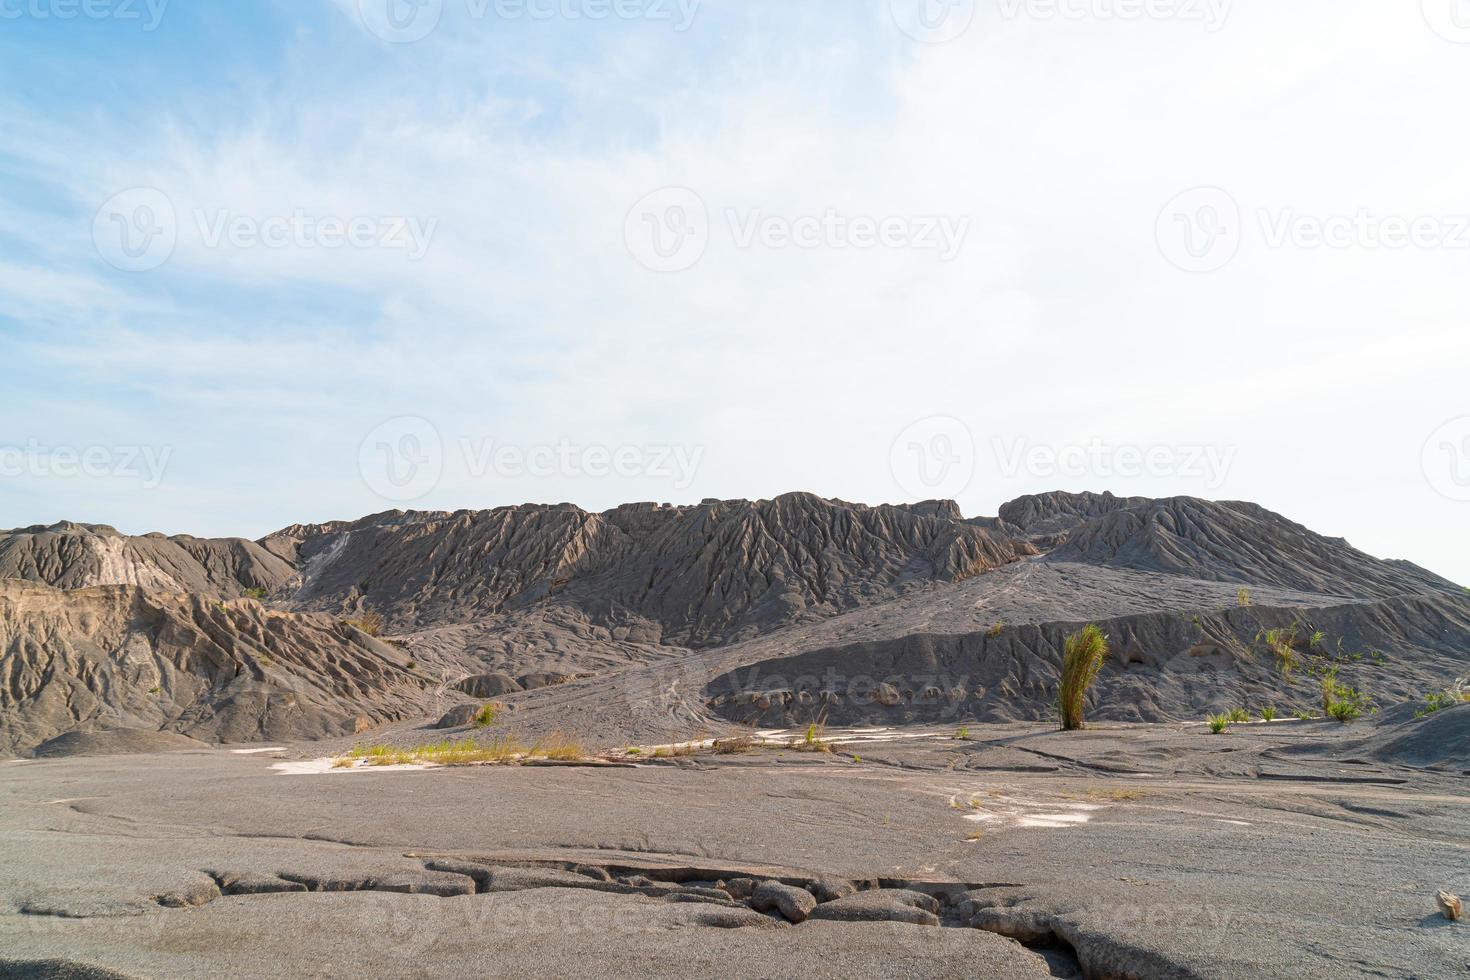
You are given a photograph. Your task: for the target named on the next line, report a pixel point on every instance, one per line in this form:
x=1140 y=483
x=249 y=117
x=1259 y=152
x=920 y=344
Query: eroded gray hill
x=77 y=556
x=112 y=657
x=1202 y=539
x=702 y=574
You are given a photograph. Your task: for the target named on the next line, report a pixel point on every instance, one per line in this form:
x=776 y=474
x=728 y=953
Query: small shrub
x=369 y=622
x=1082 y=658
x=154 y=690
x=558 y=747
x=1243 y=598
x=411 y=665
x=1282 y=643
x=635 y=751
x=1456 y=693
x=1348 y=704
x=1268 y=713
x=1239 y=715
x=961 y=734
x=259 y=595
x=1305 y=716
x=813 y=740
x=996 y=630
x=1218 y=723
x=734 y=746
x=975 y=835
x=485 y=717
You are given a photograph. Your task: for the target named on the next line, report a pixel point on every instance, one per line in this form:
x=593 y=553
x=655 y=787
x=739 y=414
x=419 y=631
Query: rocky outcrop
x=118 y=657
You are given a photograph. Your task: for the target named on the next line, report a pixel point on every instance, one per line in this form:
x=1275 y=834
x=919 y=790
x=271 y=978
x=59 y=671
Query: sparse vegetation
x=735 y=746
x=1218 y=723
x=1282 y=643
x=1435 y=701
x=1342 y=702
x=961 y=734
x=1243 y=598
x=259 y=595
x=813 y=740
x=996 y=630
x=485 y=717
x=1239 y=716
x=1305 y=716
x=635 y=750
x=368 y=622
x=506 y=750
x=1082 y=658
x=1268 y=713
x=975 y=835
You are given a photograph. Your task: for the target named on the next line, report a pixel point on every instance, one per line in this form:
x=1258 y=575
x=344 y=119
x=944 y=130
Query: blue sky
x=1006 y=252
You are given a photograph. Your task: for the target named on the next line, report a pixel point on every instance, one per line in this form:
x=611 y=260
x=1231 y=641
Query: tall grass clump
x=1082 y=658
x=1218 y=723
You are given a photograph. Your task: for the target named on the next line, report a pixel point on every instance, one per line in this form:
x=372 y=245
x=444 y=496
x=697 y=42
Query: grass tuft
x=485 y=717
x=369 y=622
x=1268 y=713
x=1218 y=723
x=1082 y=658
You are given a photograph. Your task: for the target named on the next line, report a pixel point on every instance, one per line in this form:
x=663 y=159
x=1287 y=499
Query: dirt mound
x=119 y=741
x=698 y=575
x=1441 y=740
x=78 y=556
x=122 y=657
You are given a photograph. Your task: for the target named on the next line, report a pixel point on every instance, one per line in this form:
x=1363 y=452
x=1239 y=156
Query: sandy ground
x=1146 y=851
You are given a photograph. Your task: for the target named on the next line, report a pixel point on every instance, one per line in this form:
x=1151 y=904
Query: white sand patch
x=325 y=767
x=1235 y=823
x=1053 y=821
x=273 y=748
